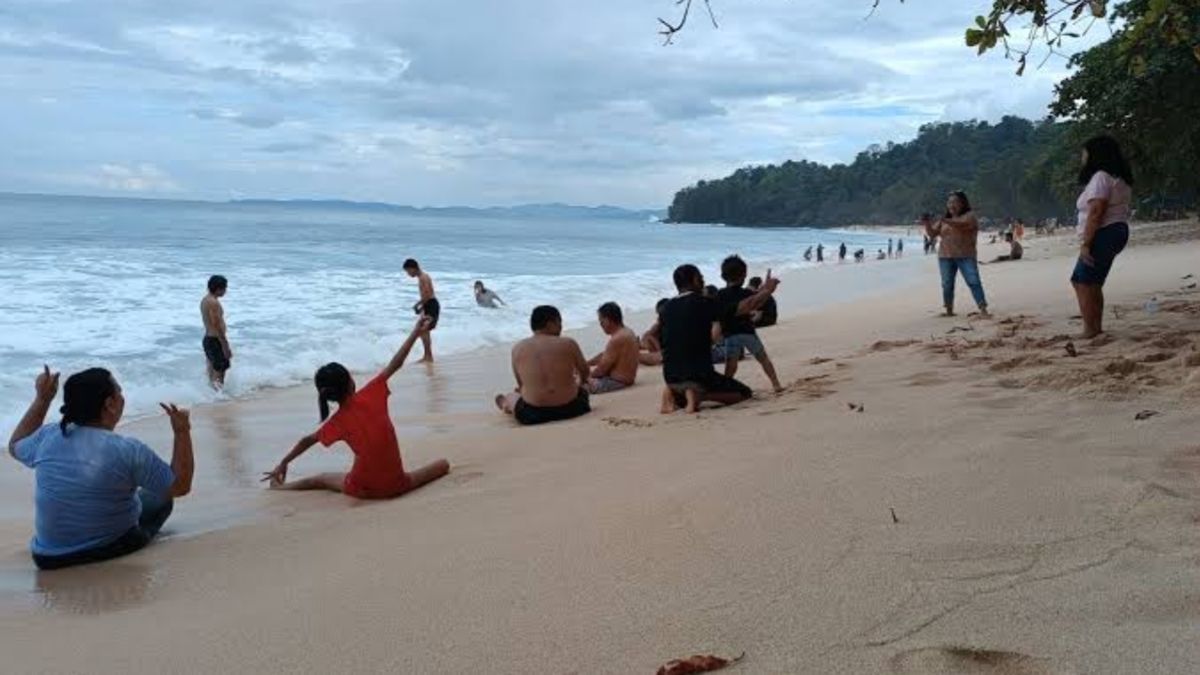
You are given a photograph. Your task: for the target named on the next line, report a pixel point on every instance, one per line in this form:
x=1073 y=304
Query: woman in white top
x=1104 y=207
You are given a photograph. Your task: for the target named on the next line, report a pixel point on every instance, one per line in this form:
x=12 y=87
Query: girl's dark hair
x=962 y=196
x=84 y=396
x=333 y=384
x=1104 y=154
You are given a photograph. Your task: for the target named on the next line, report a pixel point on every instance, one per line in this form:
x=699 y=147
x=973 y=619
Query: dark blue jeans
x=155 y=511
x=969 y=267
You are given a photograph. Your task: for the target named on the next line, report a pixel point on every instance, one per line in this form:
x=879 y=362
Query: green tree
x=1148 y=98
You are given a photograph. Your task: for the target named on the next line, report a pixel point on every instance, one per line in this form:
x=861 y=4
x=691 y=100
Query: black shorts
x=215 y=353
x=529 y=415
x=709 y=383
x=1106 y=246
x=430 y=308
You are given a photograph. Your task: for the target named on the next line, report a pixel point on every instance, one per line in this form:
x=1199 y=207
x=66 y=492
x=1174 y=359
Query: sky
x=473 y=102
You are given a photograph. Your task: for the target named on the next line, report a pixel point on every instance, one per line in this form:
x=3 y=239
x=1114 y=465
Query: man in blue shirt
x=99 y=495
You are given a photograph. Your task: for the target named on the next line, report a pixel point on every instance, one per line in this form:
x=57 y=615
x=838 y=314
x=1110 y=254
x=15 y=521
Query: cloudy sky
x=479 y=102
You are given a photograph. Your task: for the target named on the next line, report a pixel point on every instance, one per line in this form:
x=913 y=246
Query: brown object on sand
x=700 y=663
x=1145 y=414
x=1070 y=347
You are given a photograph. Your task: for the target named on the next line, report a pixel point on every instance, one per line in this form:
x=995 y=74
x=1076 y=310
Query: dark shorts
x=430 y=308
x=155 y=511
x=711 y=383
x=529 y=415
x=215 y=353
x=1108 y=243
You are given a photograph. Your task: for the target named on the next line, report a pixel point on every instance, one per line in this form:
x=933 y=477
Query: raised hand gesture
x=46 y=384
x=180 y=418
x=770 y=283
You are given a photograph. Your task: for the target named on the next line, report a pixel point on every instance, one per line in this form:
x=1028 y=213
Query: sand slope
x=1041 y=527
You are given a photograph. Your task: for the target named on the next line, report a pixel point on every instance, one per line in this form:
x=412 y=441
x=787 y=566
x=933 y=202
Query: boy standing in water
x=428 y=306
x=215 y=343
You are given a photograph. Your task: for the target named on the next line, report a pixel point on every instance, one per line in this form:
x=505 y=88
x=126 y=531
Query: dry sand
x=994 y=508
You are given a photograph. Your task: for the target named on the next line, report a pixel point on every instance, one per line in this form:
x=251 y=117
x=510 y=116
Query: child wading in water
x=362 y=421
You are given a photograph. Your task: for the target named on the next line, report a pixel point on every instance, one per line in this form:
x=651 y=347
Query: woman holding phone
x=956 y=233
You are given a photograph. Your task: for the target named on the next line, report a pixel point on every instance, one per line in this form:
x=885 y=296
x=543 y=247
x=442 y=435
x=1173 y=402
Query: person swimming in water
x=485 y=297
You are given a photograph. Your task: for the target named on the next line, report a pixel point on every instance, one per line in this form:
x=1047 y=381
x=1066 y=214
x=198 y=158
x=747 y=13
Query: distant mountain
x=549 y=211
x=555 y=210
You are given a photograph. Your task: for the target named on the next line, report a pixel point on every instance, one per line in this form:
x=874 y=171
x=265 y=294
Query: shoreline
x=995 y=494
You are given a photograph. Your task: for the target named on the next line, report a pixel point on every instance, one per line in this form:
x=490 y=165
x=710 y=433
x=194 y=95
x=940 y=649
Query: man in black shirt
x=687 y=322
x=769 y=314
x=738 y=329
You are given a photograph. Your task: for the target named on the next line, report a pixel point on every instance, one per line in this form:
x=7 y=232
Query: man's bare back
x=213 y=315
x=549 y=369
x=425 y=286
x=620 y=358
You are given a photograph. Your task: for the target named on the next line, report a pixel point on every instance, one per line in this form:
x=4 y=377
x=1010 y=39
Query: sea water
x=118 y=283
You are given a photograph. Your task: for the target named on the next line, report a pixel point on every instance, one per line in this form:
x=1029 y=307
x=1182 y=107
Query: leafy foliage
x=1149 y=98
x=1009 y=169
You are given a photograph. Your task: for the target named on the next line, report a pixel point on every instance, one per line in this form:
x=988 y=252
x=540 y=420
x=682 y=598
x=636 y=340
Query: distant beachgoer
x=1018 y=230
x=687 y=343
x=899 y=248
x=859 y=255
x=551 y=373
x=1016 y=251
x=98 y=495
x=880 y=255
x=820 y=253
x=1103 y=225
x=842 y=252
x=710 y=291
x=808 y=254
x=217 y=353
x=616 y=367
x=958 y=230
x=738 y=328
x=428 y=306
x=485 y=297
x=769 y=314
x=891 y=250
x=363 y=422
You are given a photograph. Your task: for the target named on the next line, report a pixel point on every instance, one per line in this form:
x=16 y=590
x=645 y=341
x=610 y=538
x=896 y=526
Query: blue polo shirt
x=86 y=485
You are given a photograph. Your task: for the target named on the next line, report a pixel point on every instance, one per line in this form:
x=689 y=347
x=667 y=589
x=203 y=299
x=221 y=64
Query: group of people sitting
x=698 y=328
x=100 y=495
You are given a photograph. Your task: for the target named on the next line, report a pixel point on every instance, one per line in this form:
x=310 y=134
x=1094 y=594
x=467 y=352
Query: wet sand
x=994 y=507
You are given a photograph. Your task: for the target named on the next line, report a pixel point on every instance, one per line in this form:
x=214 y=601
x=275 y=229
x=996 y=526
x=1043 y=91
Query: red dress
x=362 y=421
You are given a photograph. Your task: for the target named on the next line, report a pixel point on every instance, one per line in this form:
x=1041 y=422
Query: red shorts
x=355 y=487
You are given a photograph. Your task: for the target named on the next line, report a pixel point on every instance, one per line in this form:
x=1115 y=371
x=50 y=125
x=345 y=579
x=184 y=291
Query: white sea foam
x=118 y=284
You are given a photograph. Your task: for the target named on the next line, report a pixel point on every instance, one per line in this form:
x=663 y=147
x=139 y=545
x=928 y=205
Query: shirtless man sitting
x=616 y=367
x=551 y=374
x=650 y=346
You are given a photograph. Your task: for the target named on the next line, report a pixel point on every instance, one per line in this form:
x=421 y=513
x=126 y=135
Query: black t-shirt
x=768 y=315
x=733 y=323
x=687 y=337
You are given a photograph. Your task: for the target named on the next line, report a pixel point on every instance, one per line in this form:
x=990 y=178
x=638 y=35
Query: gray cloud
x=475 y=101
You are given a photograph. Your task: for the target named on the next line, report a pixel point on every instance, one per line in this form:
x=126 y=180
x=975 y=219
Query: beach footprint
x=971 y=661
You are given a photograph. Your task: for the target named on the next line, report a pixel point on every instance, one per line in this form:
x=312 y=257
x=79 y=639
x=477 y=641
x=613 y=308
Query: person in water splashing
x=485 y=297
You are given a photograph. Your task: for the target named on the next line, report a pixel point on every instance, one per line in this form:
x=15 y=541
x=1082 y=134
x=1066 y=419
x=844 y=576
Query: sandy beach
x=930 y=495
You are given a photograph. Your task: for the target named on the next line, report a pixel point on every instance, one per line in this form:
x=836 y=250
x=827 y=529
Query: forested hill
x=1007 y=169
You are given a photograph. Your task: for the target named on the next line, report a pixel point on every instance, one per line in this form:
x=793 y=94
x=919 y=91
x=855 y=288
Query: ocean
x=118 y=283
